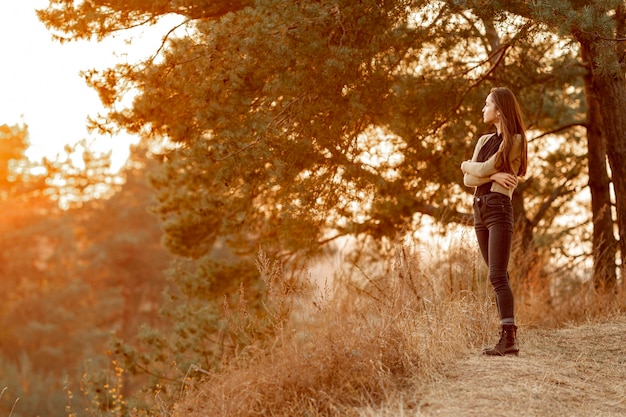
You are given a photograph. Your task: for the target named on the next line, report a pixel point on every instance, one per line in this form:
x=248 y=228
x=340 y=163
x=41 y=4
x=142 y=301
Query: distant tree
x=13 y=143
x=80 y=175
x=21 y=194
x=72 y=278
x=121 y=248
x=33 y=233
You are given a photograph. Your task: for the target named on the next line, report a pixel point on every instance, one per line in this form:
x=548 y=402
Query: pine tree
x=298 y=124
x=599 y=28
x=293 y=124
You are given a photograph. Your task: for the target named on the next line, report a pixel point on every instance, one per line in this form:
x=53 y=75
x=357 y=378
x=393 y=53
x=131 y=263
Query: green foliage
x=597 y=23
x=275 y=110
x=287 y=98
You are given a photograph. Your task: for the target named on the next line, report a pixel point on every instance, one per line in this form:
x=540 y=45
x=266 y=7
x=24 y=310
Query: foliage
x=80 y=175
x=101 y=393
x=26 y=390
x=13 y=143
x=289 y=126
x=295 y=124
x=70 y=278
x=284 y=127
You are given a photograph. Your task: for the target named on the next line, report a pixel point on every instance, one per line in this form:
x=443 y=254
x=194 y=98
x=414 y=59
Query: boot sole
x=513 y=353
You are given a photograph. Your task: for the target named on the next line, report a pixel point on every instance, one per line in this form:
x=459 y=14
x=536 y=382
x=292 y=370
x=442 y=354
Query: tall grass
x=14 y=403
x=370 y=342
x=356 y=345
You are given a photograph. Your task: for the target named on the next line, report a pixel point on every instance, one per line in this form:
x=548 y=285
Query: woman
x=499 y=158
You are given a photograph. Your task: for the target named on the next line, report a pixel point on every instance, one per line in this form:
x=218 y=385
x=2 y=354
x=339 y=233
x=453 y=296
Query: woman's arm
x=480 y=169
x=478 y=173
x=487 y=168
x=505 y=179
x=473 y=181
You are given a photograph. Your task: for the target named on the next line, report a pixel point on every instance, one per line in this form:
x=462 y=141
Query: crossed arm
x=479 y=173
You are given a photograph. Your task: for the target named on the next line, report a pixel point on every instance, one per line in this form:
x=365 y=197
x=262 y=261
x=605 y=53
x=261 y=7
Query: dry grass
x=407 y=343
x=577 y=371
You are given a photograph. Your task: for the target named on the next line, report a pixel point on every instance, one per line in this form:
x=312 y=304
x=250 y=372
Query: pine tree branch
x=558 y=130
x=166 y=37
x=560 y=191
x=603 y=38
x=275 y=121
x=330 y=239
x=500 y=52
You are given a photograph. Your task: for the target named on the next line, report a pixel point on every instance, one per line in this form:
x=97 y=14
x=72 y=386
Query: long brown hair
x=511 y=124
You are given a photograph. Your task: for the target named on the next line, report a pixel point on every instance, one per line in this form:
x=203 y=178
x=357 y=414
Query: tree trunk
x=604 y=242
x=524 y=251
x=610 y=90
x=612 y=96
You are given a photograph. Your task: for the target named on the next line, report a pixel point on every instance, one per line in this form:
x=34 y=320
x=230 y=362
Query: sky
x=41 y=86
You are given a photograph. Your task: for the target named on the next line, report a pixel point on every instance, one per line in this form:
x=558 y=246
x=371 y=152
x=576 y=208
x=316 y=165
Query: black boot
x=507 y=344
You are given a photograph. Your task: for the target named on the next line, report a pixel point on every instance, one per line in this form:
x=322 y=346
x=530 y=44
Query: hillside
x=577 y=371
x=409 y=344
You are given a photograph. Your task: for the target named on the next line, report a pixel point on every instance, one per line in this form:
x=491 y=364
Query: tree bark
x=524 y=253
x=612 y=96
x=603 y=240
x=610 y=90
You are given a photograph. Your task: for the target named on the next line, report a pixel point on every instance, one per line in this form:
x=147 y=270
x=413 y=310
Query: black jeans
x=493 y=223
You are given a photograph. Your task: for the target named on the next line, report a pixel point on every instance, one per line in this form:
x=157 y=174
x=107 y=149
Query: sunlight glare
x=41 y=86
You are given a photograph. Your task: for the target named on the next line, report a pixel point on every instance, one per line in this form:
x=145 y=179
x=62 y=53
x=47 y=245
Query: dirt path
x=577 y=371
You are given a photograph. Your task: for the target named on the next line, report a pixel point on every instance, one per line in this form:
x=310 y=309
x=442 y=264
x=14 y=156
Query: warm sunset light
x=41 y=85
x=333 y=208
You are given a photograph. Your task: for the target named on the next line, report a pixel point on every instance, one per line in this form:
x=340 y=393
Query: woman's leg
x=493 y=224
x=499 y=251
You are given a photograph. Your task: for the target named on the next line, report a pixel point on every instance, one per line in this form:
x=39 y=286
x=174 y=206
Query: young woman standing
x=498 y=159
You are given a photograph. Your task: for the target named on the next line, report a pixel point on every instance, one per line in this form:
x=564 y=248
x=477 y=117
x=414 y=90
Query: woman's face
x=490 y=113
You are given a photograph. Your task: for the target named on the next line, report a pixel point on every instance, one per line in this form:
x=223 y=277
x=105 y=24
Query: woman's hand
x=508 y=181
